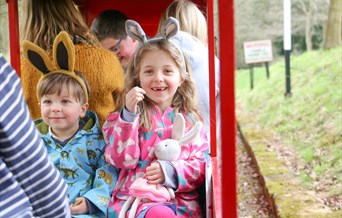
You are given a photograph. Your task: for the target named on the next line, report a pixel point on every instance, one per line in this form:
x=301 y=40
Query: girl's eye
x=168 y=71
x=148 y=71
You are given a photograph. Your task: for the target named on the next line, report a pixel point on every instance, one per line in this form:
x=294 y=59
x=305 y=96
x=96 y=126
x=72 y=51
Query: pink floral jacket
x=131 y=148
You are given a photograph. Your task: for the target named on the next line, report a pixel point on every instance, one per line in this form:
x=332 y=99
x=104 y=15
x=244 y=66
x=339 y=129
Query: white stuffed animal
x=168 y=150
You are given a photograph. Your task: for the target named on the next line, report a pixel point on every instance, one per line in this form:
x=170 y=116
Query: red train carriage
x=221 y=192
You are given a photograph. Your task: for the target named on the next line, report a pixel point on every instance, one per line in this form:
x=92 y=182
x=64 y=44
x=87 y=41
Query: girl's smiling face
x=160 y=77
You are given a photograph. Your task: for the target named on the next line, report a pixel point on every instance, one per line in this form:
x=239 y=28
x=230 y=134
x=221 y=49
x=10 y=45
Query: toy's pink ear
x=178 y=127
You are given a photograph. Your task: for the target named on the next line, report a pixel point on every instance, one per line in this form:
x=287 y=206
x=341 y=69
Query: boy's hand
x=135 y=95
x=154 y=173
x=79 y=207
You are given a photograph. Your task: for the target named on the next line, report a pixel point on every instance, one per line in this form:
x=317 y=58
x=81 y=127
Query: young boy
x=75 y=144
x=71 y=133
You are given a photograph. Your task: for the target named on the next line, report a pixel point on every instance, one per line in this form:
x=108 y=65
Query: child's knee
x=160 y=211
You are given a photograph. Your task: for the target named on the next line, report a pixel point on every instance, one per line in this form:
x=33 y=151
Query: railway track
x=253 y=197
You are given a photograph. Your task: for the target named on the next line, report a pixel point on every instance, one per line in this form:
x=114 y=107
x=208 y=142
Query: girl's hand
x=135 y=95
x=79 y=207
x=154 y=173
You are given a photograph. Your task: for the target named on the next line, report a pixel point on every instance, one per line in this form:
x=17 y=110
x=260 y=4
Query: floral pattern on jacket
x=131 y=148
x=82 y=165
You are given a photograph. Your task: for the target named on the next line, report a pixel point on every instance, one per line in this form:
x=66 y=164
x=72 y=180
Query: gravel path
x=251 y=200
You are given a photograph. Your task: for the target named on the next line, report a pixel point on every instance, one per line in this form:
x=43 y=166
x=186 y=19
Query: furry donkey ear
x=169 y=28
x=134 y=30
x=37 y=57
x=178 y=127
x=64 y=52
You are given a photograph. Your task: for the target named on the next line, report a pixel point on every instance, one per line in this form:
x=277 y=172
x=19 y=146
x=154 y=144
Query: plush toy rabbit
x=168 y=150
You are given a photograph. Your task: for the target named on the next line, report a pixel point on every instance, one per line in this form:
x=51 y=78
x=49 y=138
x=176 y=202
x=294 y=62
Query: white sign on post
x=287 y=25
x=258 y=51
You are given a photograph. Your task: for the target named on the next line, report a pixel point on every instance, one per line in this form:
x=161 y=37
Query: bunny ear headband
x=63 y=55
x=169 y=28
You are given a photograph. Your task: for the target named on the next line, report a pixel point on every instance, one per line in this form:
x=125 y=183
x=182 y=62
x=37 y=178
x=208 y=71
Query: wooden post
x=267 y=70
x=251 y=74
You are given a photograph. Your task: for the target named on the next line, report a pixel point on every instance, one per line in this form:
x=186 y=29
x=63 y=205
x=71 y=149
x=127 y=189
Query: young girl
x=71 y=133
x=158 y=85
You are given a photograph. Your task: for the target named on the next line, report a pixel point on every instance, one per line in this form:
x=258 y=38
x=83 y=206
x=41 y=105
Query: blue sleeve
x=29 y=182
x=92 y=207
x=104 y=182
x=128 y=116
x=170 y=174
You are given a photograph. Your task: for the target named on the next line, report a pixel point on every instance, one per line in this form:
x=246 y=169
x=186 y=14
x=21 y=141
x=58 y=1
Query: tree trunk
x=333 y=31
x=308 y=8
x=308 y=30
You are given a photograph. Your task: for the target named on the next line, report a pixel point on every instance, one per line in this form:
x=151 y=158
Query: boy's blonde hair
x=190 y=17
x=56 y=82
x=185 y=98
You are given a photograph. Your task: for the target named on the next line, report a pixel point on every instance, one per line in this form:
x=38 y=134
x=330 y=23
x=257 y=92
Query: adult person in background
x=192 y=39
x=190 y=17
x=109 y=27
x=42 y=21
x=30 y=185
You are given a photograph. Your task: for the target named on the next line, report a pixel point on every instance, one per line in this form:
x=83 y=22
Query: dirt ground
x=293 y=199
x=252 y=201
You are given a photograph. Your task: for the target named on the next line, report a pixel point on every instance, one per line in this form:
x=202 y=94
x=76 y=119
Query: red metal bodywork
x=227 y=66
x=146 y=12
x=223 y=191
x=14 y=34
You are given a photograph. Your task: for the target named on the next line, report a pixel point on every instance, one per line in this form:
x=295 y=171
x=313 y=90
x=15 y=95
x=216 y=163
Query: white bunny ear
x=178 y=127
x=134 y=30
x=169 y=28
x=189 y=136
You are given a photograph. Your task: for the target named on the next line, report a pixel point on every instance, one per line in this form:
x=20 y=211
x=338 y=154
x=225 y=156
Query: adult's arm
x=30 y=184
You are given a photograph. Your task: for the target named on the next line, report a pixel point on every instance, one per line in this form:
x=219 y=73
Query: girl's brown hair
x=44 y=19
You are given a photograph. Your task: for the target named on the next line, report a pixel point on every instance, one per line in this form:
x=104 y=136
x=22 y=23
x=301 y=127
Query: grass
x=309 y=122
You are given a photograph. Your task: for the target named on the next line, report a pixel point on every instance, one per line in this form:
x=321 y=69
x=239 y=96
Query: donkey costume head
x=63 y=59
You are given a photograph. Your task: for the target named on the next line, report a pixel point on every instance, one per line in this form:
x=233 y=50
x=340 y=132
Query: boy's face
x=123 y=47
x=62 y=112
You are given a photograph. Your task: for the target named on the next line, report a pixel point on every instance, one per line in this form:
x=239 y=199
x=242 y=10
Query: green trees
x=4 y=44
x=256 y=20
